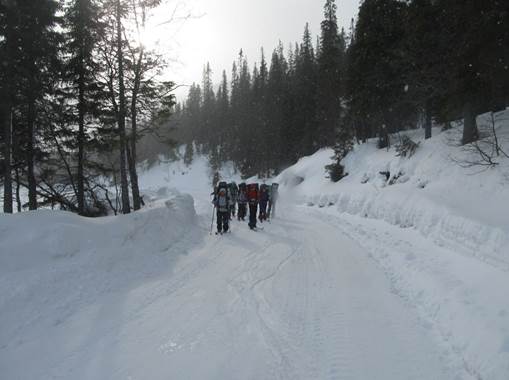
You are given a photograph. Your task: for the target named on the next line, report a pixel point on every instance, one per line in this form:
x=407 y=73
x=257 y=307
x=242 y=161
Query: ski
x=222 y=233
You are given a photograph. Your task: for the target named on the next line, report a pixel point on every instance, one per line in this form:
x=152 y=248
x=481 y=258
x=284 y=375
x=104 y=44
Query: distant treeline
x=402 y=65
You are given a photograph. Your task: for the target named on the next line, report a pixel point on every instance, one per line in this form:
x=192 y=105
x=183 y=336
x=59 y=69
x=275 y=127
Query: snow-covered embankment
x=67 y=281
x=437 y=228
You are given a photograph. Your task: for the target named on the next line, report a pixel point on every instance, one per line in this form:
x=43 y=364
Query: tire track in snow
x=298 y=301
x=406 y=330
x=329 y=327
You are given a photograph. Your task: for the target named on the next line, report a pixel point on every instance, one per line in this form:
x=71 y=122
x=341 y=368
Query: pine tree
x=305 y=96
x=223 y=119
x=208 y=132
x=475 y=46
x=343 y=146
x=83 y=33
x=277 y=96
x=330 y=71
x=246 y=144
x=188 y=155
x=376 y=88
x=424 y=62
x=260 y=124
x=193 y=112
x=36 y=59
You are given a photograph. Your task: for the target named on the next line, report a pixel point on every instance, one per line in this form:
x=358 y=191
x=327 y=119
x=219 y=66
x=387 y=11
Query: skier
x=234 y=191
x=222 y=204
x=242 y=201
x=273 y=195
x=252 y=197
x=263 y=199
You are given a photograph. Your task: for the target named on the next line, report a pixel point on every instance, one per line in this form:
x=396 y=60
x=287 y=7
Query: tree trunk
x=134 y=137
x=7 y=113
x=32 y=184
x=427 y=121
x=7 y=122
x=470 y=132
x=126 y=208
x=18 y=190
x=134 y=177
x=81 y=140
x=81 y=115
x=361 y=131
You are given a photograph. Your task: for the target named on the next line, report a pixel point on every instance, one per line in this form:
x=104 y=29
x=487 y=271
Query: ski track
x=298 y=300
x=314 y=306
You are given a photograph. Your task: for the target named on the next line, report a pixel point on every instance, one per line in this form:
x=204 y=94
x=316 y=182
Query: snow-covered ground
x=354 y=280
x=438 y=228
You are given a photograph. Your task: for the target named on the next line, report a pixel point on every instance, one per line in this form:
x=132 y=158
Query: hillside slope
x=439 y=230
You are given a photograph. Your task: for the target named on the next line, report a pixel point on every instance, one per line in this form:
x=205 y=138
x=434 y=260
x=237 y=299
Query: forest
x=80 y=95
x=401 y=65
x=78 y=90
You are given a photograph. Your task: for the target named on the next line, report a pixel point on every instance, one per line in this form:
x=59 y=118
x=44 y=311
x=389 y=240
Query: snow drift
x=437 y=228
x=465 y=209
x=61 y=274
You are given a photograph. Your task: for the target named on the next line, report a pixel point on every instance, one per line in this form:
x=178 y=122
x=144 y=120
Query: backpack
x=221 y=185
x=273 y=191
x=252 y=192
x=222 y=202
x=242 y=196
x=234 y=191
x=264 y=193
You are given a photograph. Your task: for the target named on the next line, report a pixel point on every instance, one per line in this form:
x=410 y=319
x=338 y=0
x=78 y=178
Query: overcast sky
x=221 y=28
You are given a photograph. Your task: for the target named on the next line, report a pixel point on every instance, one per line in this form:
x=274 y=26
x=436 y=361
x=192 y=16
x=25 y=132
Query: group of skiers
x=232 y=201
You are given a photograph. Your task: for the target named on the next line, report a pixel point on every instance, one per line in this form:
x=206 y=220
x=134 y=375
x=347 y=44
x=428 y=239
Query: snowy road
x=298 y=300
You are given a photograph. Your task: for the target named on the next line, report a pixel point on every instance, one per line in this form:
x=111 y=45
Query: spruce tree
x=208 y=132
x=223 y=119
x=188 y=154
x=376 y=88
x=330 y=72
x=277 y=109
x=83 y=33
x=424 y=61
x=259 y=107
x=475 y=46
x=305 y=96
x=36 y=57
x=246 y=144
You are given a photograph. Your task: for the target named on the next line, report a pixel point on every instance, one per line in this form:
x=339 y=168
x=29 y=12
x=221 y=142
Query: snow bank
x=461 y=300
x=58 y=271
x=437 y=228
x=33 y=239
x=464 y=209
